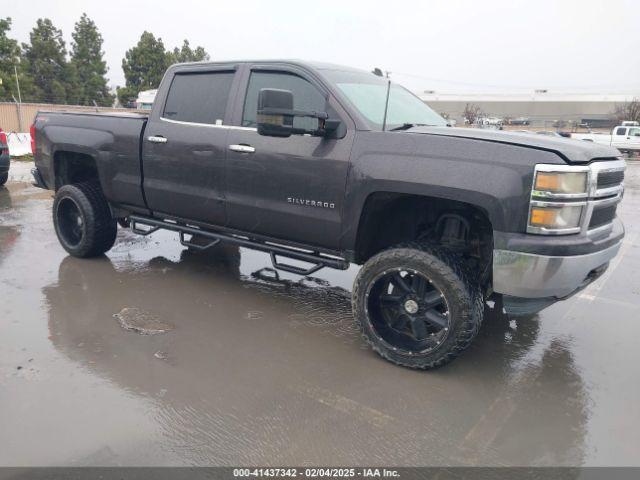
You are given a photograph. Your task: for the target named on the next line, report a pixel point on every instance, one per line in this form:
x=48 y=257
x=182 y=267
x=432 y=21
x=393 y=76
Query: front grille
x=610 y=179
x=602 y=216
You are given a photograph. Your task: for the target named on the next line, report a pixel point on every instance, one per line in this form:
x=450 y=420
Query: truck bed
x=109 y=139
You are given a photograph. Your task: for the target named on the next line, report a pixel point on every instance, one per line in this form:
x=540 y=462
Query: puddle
x=142 y=322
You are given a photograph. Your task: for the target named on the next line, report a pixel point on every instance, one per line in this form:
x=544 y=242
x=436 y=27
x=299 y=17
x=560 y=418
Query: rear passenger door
x=184 y=146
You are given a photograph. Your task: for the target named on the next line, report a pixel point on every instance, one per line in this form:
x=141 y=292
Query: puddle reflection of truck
x=625 y=137
x=330 y=166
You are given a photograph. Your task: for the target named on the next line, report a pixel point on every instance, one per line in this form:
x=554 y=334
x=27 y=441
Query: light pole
x=15 y=71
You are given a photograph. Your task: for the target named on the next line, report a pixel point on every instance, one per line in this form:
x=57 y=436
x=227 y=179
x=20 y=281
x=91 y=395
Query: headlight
x=559 y=197
x=560 y=183
x=545 y=218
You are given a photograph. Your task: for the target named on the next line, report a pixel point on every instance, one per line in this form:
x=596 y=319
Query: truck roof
x=302 y=63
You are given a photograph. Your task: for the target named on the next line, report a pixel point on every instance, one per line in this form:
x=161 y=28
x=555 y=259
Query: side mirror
x=276 y=113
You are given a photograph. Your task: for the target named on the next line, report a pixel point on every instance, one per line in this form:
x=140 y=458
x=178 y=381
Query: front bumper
x=534 y=275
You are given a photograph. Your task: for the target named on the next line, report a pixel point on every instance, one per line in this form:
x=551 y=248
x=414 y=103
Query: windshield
x=368 y=94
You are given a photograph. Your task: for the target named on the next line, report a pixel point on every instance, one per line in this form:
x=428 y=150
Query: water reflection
x=8 y=233
x=256 y=363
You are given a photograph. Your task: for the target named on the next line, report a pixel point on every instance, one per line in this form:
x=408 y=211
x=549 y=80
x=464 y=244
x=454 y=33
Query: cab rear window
x=198 y=97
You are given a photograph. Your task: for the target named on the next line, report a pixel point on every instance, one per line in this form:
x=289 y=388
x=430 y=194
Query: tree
x=143 y=66
x=88 y=66
x=471 y=113
x=627 y=111
x=186 y=54
x=9 y=58
x=46 y=62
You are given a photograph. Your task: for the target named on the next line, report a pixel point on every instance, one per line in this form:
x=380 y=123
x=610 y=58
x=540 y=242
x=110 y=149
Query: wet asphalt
x=156 y=355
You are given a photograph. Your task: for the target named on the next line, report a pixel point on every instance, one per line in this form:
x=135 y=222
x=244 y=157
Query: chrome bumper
x=528 y=275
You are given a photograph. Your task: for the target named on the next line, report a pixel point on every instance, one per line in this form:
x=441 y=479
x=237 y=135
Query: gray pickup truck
x=323 y=166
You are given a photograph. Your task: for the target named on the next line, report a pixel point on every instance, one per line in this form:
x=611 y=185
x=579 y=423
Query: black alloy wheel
x=70 y=222
x=407 y=311
x=417 y=305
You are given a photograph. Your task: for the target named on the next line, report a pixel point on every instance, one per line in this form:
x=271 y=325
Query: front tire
x=83 y=221
x=416 y=306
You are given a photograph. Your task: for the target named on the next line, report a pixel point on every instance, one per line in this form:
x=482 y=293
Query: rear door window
x=621 y=131
x=198 y=97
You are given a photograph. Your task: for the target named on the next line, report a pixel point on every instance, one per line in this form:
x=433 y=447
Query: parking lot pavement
x=253 y=369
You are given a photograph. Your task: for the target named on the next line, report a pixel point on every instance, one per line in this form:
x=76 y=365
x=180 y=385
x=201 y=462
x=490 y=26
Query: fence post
x=19 y=109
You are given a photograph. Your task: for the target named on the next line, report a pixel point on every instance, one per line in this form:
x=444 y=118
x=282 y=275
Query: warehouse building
x=541 y=109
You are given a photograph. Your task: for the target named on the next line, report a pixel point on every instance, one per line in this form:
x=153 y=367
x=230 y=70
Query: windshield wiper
x=407 y=126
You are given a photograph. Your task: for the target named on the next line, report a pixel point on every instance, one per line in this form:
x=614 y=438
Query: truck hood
x=571 y=150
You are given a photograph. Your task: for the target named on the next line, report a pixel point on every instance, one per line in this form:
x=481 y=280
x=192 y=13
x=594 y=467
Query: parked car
x=489 y=123
x=5 y=159
x=520 y=121
x=330 y=166
x=623 y=137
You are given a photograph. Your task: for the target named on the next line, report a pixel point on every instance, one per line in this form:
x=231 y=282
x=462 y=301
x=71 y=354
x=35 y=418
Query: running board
x=317 y=259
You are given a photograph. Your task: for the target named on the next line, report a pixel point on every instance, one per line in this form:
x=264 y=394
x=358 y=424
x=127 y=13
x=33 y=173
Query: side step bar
x=317 y=259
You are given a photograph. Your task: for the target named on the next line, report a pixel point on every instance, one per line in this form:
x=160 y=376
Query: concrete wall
x=10 y=121
x=541 y=113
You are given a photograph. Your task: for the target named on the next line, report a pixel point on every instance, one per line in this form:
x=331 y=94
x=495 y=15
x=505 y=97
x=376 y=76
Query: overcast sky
x=447 y=46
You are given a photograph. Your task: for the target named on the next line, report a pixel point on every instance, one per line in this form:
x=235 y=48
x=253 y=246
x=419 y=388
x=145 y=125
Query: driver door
x=291 y=188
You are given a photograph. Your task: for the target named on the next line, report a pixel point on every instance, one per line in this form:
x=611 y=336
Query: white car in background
x=625 y=137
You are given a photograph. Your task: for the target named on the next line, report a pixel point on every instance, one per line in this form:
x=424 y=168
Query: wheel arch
x=388 y=218
x=73 y=166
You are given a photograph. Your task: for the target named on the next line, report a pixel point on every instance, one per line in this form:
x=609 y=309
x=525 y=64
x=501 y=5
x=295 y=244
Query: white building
x=541 y=108
x=145 y=99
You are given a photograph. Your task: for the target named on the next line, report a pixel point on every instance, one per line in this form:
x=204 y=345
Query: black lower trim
x=38 y=180
x=518 y=307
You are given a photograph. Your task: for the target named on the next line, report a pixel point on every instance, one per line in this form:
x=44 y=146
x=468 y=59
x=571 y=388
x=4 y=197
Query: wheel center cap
x=411 y=306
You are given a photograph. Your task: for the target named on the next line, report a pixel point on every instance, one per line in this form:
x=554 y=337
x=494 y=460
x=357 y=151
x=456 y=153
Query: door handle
x=157 y=139
x=242 y=148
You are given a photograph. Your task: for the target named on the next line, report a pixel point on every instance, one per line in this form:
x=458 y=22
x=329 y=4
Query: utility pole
x=15 y=70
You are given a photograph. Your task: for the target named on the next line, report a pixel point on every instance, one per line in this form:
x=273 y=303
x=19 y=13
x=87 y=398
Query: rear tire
x=83 y=221
x=3 y=178
x=416 y=306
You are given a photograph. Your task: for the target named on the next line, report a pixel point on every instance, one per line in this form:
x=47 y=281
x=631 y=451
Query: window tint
x=621 y=131
x=368 y=94
x=305 y=97
x=198 y=97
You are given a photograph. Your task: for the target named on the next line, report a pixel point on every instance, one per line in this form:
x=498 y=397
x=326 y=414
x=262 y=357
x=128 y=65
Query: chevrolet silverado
x=324 y=166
